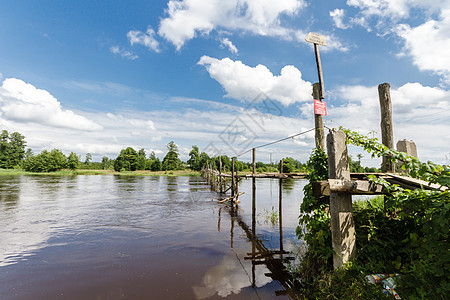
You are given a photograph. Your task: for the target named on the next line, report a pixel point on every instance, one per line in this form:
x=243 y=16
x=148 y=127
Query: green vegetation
x=271 y=216
x=405 y=233
x=12 y=149
x=171 y=161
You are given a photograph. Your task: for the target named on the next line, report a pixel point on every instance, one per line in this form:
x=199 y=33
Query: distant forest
x=15 y=155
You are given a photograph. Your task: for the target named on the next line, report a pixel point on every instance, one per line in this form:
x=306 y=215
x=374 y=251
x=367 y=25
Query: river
x=138 y=237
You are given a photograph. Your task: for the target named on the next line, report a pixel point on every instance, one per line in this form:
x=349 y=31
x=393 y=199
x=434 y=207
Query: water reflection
x=240 y=268
x=141 y=237
x=230 y=276
x=288 y=185
x=9 y=191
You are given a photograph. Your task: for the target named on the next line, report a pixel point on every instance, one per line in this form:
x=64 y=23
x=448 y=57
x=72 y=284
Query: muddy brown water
x=117 y=237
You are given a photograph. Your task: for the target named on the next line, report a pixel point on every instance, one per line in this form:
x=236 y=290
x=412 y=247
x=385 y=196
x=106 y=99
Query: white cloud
x=420 y=113
x=338 y=15
x=246 y=83
x=428 y=44
x=396 y=9
x=226 y=43
x=229 y=277
x=188 y=18
x=144 y=38
x=23 y=103
x=123 y=53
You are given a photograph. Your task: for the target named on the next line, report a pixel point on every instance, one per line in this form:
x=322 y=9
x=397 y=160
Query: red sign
x=320 y=107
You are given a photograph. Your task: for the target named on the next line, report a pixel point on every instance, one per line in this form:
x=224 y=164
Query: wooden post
x=232 y=177
x=254 y=161
x=342 y=225
x=220 y=175
x=281 y=166
x=253 y=228
x=318 y=120
x=387 y=131
x=319 y=72
x=280 y=213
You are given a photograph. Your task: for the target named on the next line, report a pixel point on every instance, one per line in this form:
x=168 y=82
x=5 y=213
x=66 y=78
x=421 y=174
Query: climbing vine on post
x=314 y=220
x=424 y=215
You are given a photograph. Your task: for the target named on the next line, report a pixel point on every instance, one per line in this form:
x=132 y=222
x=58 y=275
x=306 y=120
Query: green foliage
x=107 y=163
x=410 y=234
x=355 y=166
x=88 y=159
x=12 y=149
x=314 y=221
x=345 y=283
x=271 y=216
x=194 y=159
x=73 y=160
x=238 y=166
x=291 y=165
x=127 y=160
x=45 y=161
x=406 y=233
x=171 y=160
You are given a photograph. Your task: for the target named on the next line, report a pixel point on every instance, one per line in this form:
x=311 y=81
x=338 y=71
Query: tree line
x=14 y=155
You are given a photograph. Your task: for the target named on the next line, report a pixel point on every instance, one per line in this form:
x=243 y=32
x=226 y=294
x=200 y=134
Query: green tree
x=73 y=160
x=194 y=159
x=238 y=165
x=106 y=162
x=12 y=149
x=45 y=161
x=141 y=159
x=88 y=159
x=127 y=160
x=156 y=165
x=56 y=160
x=4 y=149
x=17 y=146
x=289 y=165
x=171 y=161
x=204 y=159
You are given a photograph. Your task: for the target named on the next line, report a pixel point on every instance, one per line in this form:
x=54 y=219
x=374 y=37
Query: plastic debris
x=388 y=282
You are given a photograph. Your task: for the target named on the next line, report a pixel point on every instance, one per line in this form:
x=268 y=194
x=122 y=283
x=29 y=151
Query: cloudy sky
x=226 y=75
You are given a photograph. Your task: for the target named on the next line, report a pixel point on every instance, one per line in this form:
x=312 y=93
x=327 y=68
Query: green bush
x=406 y=233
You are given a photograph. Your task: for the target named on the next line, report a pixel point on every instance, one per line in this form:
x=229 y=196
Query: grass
x=6 y=172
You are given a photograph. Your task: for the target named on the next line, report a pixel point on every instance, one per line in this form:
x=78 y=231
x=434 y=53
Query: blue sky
x=98 y=76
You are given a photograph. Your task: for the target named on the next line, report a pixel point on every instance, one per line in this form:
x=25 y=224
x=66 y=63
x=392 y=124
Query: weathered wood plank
x=418 y=183
x=354 y=186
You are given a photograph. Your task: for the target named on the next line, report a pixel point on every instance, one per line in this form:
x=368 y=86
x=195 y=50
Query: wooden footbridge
x=337 y=190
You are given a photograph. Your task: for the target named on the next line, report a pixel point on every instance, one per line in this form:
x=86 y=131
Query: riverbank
x=4 y=172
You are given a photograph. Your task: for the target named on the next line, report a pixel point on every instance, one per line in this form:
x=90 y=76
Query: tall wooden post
x=387 y=131
x=319 y=72
x=318 y=120
x=220 y=175
x=232 y=178
x=280 y=213
x=254 y=161
x=281 y=166
x=342 y=225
